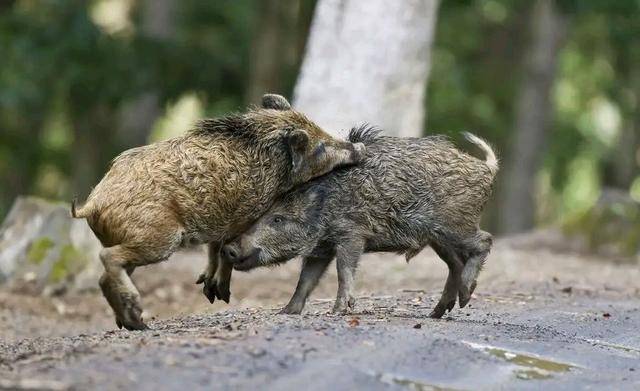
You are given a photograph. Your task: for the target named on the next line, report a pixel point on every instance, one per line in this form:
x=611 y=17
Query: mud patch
x=408 y=383
x=526 y=366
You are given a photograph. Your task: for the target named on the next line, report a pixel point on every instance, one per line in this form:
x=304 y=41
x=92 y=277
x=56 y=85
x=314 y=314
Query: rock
x=44 y=250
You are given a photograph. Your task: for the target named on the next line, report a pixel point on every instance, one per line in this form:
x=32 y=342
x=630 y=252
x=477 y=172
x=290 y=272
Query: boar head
x=291 y=227
x=311 y=151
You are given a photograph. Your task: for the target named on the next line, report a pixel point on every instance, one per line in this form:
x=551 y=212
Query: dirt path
x=541 y=318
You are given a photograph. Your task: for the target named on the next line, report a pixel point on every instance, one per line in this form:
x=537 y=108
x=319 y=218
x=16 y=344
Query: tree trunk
x=137 y=117
x=275 y=49
x=534 y=109
x=92 y=146
x=368 y=63
x=622 y=166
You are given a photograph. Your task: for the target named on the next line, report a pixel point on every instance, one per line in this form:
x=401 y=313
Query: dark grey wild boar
x=206 y=186
x=407 y=194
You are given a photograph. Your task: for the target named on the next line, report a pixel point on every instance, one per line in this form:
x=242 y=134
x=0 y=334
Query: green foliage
x=477 y=63
x=62 y=75
x=65 y=79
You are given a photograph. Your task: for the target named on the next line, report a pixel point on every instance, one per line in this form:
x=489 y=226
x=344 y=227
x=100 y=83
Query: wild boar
x=206 y=186
x=407 y=193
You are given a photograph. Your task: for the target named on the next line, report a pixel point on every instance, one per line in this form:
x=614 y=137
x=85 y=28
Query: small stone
x=257 y=352
x=417 y=326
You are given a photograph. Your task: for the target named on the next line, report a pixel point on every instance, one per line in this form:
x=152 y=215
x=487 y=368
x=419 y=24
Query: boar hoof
x=344 y=308
x=209 y=288
x=463 y=296
x=212 y=290
x=290 y=310
x=473 y=286
x=441 y=308
x=437 y=312
x=136 y=326
x=132 y=316
x=222 y=291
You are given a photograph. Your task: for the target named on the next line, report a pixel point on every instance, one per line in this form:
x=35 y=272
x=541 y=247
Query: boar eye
x=277 y=219
x=319 y=150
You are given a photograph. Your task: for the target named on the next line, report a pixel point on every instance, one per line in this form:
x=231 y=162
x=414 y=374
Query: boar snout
x=230 y=253
x=240 y=260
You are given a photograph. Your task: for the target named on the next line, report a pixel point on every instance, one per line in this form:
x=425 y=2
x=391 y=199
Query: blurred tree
x=476 y=72
x=533 y=115
x=79 y=84
x=97 y=89
x=623 y=163
x=274 y=51
x=157 y=20
x=368 y=64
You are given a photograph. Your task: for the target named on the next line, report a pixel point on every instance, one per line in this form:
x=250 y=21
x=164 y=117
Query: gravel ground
x=543 y=316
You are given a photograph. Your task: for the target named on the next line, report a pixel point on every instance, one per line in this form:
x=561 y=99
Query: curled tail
x=490 y=157
x=83 y=212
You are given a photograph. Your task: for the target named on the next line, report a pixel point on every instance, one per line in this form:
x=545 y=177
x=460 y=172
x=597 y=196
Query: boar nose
x=229 y=253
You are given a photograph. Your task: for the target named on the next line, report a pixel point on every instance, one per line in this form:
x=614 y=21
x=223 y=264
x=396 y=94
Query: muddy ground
x=544 y=315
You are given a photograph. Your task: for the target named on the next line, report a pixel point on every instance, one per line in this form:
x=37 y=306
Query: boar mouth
x=248 y=262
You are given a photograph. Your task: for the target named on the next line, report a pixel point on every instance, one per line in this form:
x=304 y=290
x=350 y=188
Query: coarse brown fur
x=408 y=193
x=206 y=186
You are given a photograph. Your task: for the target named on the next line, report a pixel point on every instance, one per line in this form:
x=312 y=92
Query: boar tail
x=490 y=157
x=83 y=212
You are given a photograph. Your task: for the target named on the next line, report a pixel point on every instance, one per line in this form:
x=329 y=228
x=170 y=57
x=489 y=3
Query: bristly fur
x=364 y=133
x=233 y=123
x=205 y=186
x=408 y=193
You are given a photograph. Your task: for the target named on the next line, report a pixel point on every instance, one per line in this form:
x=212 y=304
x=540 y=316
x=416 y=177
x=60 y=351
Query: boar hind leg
x=454 y=280
x=123 y=296
x=312 y=270
x=117 y=287
x=477 y=250
x=347 y=257
x=217 y=276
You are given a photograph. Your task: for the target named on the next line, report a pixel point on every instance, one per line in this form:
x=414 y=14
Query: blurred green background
x=80 y=81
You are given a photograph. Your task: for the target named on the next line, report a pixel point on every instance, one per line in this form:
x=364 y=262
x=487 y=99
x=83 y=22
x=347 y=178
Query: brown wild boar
x=407 y=193
x=206 y=186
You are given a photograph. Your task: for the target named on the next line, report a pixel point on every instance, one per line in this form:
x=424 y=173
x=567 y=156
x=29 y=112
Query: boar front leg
x=217 y=276
x=312 y=270
x=347 y=257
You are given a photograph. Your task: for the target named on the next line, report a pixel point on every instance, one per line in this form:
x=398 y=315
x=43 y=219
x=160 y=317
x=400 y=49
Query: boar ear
x=297 y=141
x=275 y=102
